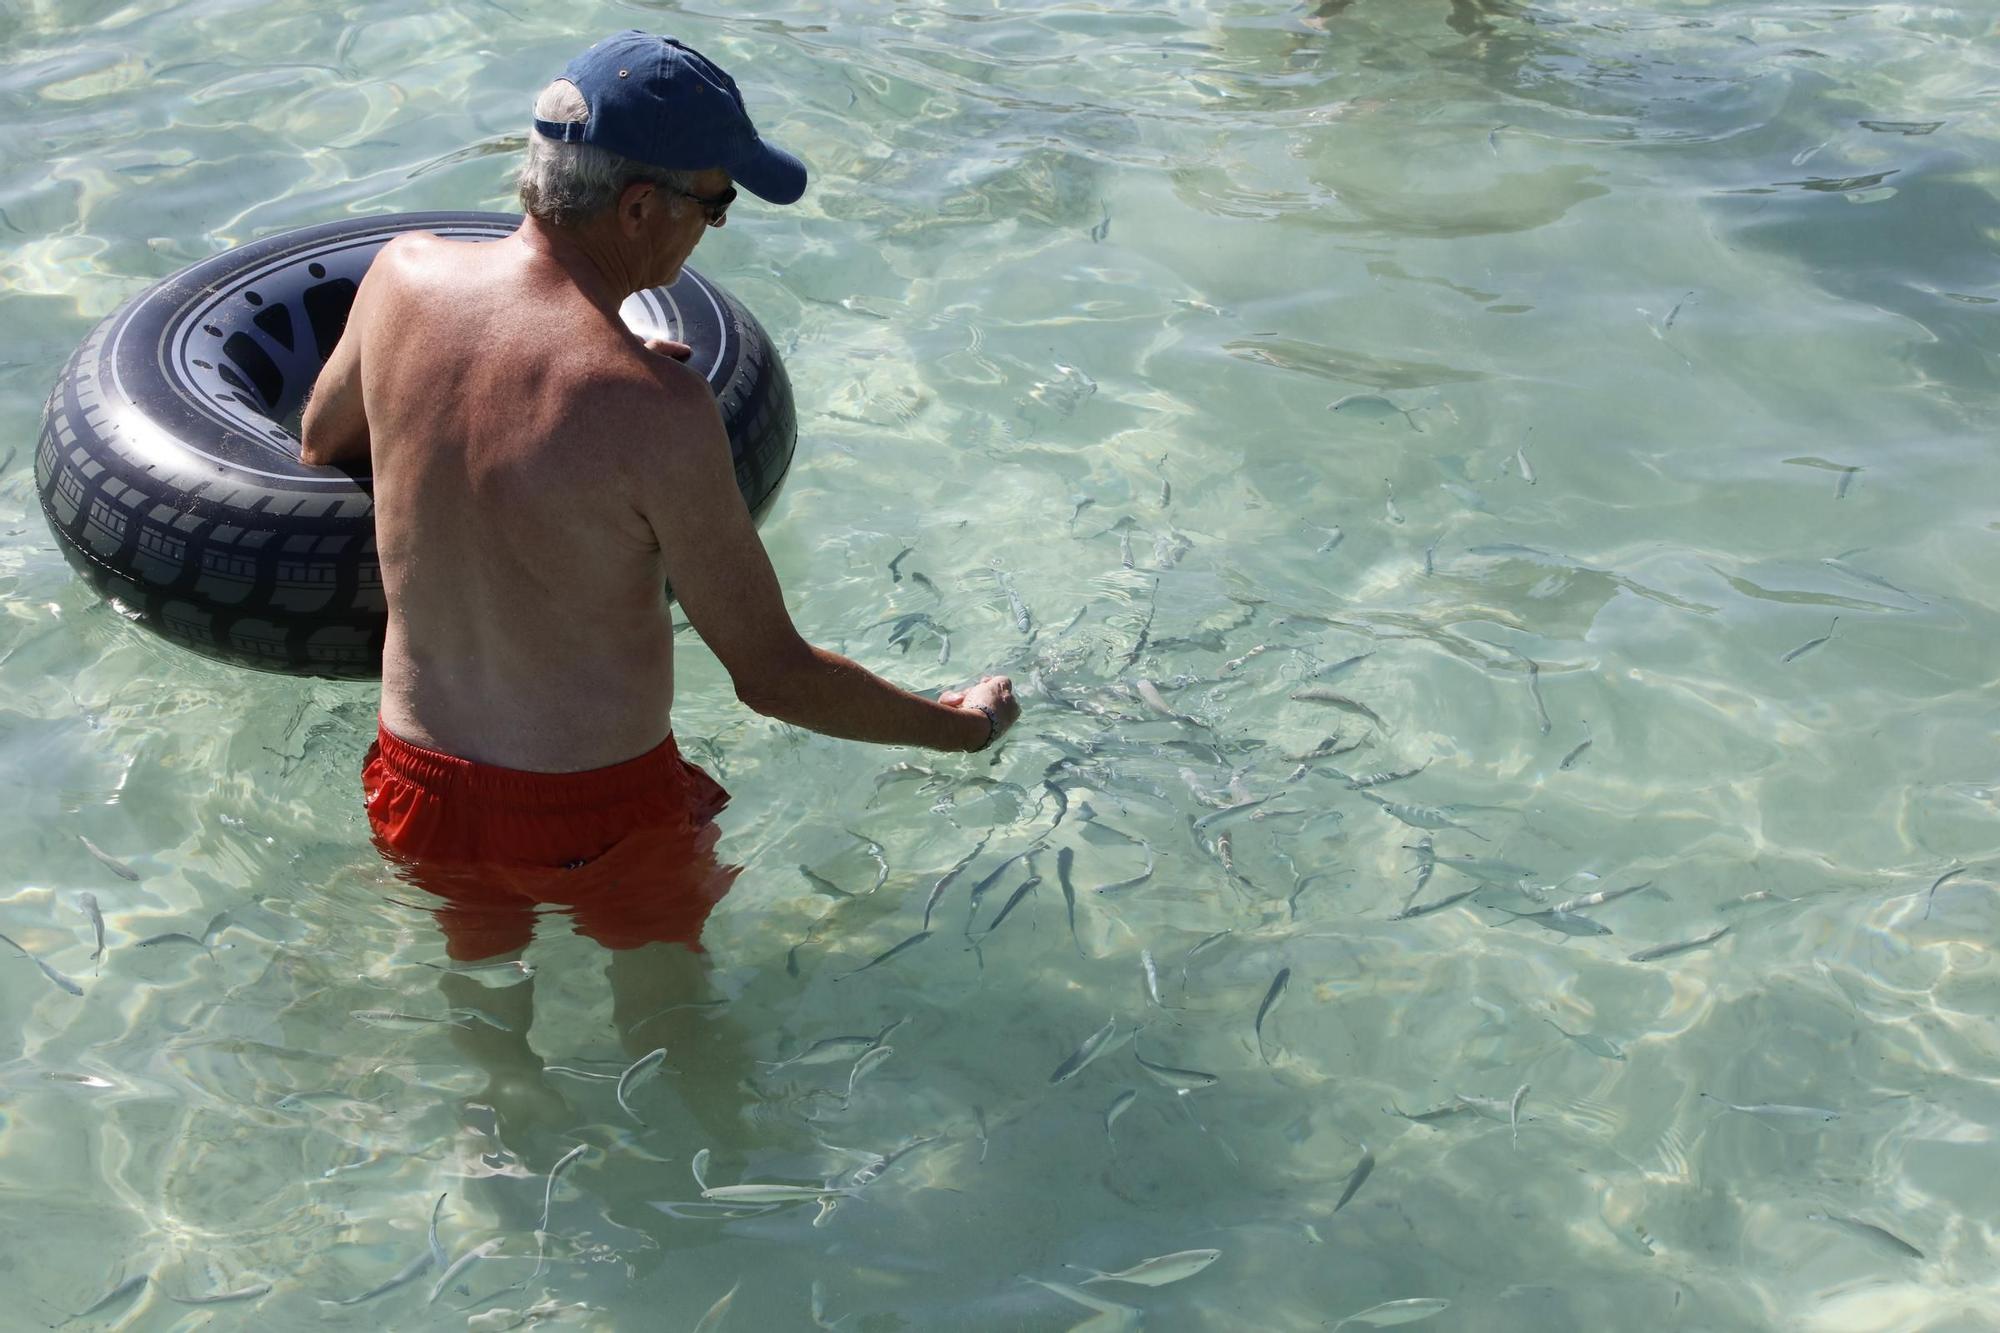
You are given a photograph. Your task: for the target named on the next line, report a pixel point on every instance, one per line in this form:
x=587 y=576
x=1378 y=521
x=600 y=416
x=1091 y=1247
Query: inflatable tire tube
x=169 y=468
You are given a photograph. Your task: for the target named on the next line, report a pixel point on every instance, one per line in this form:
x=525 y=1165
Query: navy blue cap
x=655 y=100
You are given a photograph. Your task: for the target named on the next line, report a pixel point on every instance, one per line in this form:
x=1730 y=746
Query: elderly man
x=540 y=476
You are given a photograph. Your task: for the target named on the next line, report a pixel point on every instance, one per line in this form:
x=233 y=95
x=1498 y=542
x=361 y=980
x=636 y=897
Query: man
x=540 y=475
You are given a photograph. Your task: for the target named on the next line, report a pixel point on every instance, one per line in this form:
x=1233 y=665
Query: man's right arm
x=724 y=581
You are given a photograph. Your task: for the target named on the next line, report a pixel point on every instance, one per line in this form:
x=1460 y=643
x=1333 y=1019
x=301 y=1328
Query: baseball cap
x=659 y=101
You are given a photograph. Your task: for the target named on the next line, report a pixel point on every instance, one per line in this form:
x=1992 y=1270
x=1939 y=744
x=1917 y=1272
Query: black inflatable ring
x=169 y=461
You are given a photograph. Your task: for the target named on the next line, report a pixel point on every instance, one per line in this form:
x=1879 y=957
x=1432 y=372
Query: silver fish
x=825 y=885
x=1811 y=644
x=1394 y=514
x=1598 y=1046
x=1482 y=868
x=1931 y=897
x=1435 y=1113
x=1600 y=897
x=896 y=575
x=1201 y=945
x=1065 y=858
x=937 y=890
x=1119 y=1105
x=1391 y=1313
x=1357 y=1177
x=397 y=1021
x=1792 y=1119
x=1871 y=1233
x=549 y=1190
x=1334 y=538
x=1096 y=1044
x=1152 y=978
x=887 y=954
x=873 y=1172
x=877 y=854
x=409 y=1273
x=1365 y=780
x=1320 y=695
x=863 y=1067
x=249 y=1293
x=1159 y=1271
x=124 y=1291
x=171 y=937
x=88 y=901
x=1521 y=463
x=1564 y=923
x=1569 y=760
x=637 y=1073
x=108 y=861
x=1028 y=886
x=459 y=1265
x=717 y=1312
x=1680 y=946
x=753 y=1193
x=1272 y=998
x=1437 y=905
x=438 y=1256
x=1421 y=816
x=62 y=982
x=1514 y=1115
x=829 y=1049
x=1182 y=1081
x=1020 y=608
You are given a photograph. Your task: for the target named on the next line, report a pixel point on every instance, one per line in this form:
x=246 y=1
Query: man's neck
x=589 y=255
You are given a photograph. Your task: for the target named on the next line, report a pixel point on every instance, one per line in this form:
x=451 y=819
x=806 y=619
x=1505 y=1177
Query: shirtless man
x=540 y=476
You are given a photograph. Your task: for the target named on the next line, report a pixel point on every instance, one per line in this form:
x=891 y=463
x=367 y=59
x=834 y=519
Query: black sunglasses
x=714 y=207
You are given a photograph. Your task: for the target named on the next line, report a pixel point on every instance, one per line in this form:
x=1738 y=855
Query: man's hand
x=668 y=347
x=994 y=692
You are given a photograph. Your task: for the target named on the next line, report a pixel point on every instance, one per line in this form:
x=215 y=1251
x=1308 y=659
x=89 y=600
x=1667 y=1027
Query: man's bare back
x=508 y=420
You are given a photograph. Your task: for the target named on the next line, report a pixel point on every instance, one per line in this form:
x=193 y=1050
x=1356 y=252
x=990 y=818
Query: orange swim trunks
x=628 y=852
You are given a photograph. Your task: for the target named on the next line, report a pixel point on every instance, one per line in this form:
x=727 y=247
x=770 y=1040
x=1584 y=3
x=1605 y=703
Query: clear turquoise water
x=1693 y=261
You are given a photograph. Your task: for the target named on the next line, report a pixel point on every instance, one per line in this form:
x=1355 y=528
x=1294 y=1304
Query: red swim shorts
x=628 y=852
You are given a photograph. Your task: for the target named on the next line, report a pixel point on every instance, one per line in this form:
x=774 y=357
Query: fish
x=944 y=881
x=1846 y=481
x=1332 y=541
x=171 y=937
x=397 y=1021
x=870 y=1058
x=1061 y=794
x=829 y=1049
x=1205 y=942
x=492 y=976
x=755 y=1193
x=1522 y=465
x=1680 y=946
x=1484 y=869
x=1792 y=1119
x=118 y=1294
x=549 y=1189
x=1421 y=816
x=825 y=885
x=1391 y=1313
x=1751 y=900
x=438 y=1256
x=895 y=574
x=459 y=1265
x=1535 y=692
x=1437 y=905
x=877 y=854
x=249 y=1293
x=108 y=861
x=1119 y=1105
x=1366 y=780
x=1319 y=695
x=1931 y=898
x=1083 y=502
x=1810 y=644
x=717 y=1312
x=1435 y=1113
x=873 y=1172
x=979 y=1126
x=1028 y=886
x=410 y=1272
x=1135 y=880
x=1182 y=1081
x=1272 y=999
x=1430 y=555
x=1065 y=858
x=1598 y=1046
x=1426 y=850
x=62 y=982
x=1600 y=897
x=1514 y=1115
x=887 y=954
x=1356 y=1178
x=1838 y=563
x=1022 y=622
x=1096 y=1044
x=992 y=878
x=1569 y=760
x=1158 y=1271
x=88 y=901
x=1565 y=923
x=1341 y=665
x=1152 y=978
x=1394 y=514
x=637 y=1073
x=1868 y=1231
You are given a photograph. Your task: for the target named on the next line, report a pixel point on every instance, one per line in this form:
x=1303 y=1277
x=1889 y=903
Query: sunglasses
x=714 y=207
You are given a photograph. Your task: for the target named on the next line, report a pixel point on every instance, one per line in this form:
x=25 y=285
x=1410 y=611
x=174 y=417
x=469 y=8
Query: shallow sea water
x=1634 y=341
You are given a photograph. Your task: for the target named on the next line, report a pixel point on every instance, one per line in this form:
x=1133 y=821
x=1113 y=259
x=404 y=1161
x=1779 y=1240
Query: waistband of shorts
x=439 y=772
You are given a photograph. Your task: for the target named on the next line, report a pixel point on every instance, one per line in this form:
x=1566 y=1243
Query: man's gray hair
x=566 y=184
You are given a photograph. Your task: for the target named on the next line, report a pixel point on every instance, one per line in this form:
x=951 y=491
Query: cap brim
x=772 y=174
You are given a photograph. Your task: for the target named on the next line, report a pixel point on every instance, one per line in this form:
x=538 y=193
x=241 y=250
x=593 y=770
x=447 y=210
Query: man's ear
x=635 y=202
